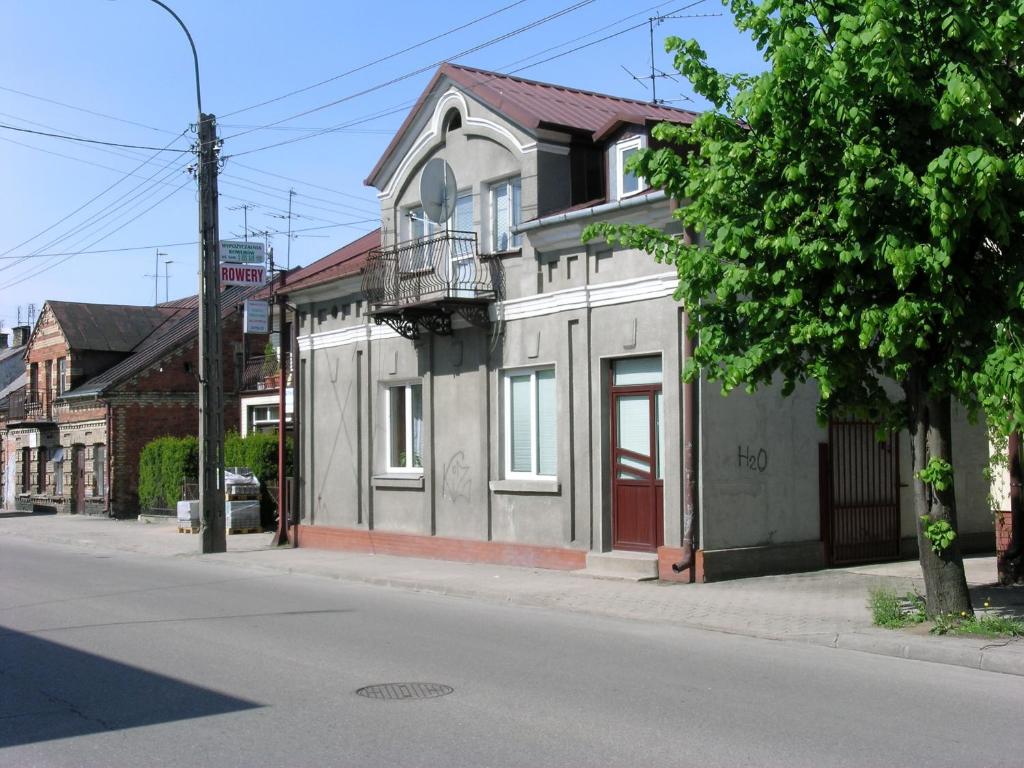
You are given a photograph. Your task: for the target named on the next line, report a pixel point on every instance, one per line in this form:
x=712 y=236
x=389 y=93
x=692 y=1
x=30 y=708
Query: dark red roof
x=347 y=260
x=533 y=104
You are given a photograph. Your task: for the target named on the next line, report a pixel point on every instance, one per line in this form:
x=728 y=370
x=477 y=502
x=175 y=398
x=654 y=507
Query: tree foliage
x=164 y=464
x=858 y=208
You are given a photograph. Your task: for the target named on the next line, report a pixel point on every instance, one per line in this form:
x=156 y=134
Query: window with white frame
x=530 y=423
x=506 y=213
x=416 y=258
x=627 y=183
x=263 y=418
x=99 y=466
x=405 y=428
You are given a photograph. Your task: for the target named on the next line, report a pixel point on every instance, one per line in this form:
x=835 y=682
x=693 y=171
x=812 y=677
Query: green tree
x=859 y=211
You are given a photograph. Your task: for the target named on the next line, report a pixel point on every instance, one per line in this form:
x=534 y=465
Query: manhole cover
x=398 y=691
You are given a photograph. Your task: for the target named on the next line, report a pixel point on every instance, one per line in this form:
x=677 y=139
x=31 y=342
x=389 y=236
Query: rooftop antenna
x=656 y=73
x=244 y=208
x=31 y=314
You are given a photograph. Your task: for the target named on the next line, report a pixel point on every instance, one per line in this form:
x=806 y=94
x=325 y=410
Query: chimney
x=21 y=334
x=3 y=341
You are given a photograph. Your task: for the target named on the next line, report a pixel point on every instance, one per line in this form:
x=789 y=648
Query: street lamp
x=211 y=389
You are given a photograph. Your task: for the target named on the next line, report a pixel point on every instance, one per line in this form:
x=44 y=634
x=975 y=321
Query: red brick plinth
x=440 y=548
x=669 y=555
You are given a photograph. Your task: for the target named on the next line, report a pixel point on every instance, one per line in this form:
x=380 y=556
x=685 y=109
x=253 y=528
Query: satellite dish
x=438 y=190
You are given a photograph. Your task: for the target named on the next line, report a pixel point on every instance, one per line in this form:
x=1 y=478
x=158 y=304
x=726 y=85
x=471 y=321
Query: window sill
x=526 y=486
x=409 y=481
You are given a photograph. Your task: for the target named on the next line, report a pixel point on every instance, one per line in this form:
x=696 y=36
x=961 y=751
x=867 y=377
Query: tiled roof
x=107 y=327
x=161 y=343
x=533 y=104
x=347 y=260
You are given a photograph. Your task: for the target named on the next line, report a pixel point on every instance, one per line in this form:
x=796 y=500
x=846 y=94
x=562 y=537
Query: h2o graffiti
x=756 y=461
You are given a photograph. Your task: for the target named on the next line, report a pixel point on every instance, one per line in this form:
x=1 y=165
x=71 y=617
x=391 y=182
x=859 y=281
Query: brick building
x=102 y=381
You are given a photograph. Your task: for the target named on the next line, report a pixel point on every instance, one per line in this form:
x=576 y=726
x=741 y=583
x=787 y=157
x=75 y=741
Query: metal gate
x=860 y=494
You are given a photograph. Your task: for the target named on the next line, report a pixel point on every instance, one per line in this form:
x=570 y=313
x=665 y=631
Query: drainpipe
x=107 y=458
x=1013 y=551
x=689 y=464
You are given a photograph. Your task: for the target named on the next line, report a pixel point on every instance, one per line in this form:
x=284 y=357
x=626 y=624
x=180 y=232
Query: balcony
x=418 y=285
x=30 y=405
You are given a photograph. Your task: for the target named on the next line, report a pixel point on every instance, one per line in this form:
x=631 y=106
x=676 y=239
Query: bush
x=258 y=452
x=165 y=463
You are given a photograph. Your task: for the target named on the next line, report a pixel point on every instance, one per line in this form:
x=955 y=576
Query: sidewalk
x=823 y=608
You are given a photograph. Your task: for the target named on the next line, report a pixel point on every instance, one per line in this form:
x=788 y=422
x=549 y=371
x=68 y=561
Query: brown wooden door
x=78 y=477
x=637 y=475
x=861 y=518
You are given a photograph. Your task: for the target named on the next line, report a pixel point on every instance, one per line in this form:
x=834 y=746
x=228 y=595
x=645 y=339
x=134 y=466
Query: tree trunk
x=945 y=583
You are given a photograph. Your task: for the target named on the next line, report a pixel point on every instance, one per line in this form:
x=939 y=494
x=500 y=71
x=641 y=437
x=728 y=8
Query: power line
x=90 y=200
x=83 y=109
x=380 y=60
x=89 y=141
x=102 y=250
x=119 y=228
x=493 y=41
x=299 y=181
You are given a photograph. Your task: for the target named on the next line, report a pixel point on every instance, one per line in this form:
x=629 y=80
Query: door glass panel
x=659 y=431
x=633 y=428
x=636 y=370
x=630 y=463
x=624 y=475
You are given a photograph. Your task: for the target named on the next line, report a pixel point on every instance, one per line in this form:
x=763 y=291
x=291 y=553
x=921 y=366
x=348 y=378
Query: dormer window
x=627 y=183
x=452 y=121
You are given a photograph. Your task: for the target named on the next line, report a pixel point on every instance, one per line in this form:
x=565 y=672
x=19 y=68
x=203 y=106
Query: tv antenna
x=657 y=74
x=244 y=208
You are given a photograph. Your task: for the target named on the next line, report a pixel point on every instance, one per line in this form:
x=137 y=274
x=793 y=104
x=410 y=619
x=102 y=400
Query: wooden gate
x=859 y=494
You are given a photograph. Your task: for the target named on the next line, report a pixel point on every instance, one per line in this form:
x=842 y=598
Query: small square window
x=627 y=183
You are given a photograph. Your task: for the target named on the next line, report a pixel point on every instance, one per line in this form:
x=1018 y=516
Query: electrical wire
x=380 y=60
x=83 y=109
x=88 y=141
x=122 y=226
x=479 y=47
x=90 y=200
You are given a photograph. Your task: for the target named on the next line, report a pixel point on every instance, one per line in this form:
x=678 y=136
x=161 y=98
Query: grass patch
x=892 y=611
x=982 y=626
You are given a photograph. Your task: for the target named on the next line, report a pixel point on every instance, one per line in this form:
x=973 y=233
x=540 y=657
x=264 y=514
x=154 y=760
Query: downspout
x=107 y=488
x=689 y=463
x=1013 y=550
x=296 y=494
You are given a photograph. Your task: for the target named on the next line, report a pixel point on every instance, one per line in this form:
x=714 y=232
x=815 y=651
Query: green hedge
x=168 y=461
x=258 y=452
x=164 y=464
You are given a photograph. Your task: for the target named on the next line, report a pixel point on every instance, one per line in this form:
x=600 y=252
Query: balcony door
x=461 y=278
x=637 y=440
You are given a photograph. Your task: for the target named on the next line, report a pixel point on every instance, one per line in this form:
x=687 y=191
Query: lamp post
x=211 y=389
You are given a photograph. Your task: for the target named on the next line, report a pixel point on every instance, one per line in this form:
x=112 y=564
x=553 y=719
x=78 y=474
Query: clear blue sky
x=130 y=62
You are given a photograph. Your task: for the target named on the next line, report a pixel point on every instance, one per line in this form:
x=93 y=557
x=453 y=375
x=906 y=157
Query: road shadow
x=50 y=691
x=41 y=513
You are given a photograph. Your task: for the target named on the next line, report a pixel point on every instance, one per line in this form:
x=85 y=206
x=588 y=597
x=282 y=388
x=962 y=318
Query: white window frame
x=515 y=241
x=507 y=377
x=406 y=388
x=638 y=143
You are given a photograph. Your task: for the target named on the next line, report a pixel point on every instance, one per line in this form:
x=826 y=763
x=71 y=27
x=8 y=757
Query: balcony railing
x=444 y=267
x=29 y=404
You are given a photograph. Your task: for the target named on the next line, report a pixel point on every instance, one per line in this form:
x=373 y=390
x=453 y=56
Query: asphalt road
x=117 y=659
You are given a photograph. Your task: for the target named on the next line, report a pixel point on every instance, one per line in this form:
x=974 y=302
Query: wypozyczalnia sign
x=243 y=274
x=241 y=252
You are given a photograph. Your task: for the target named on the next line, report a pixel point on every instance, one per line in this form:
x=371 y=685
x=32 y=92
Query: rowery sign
x=242 y=274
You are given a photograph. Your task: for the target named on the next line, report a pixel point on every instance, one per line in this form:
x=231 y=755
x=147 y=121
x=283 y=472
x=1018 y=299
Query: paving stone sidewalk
x=824 y=607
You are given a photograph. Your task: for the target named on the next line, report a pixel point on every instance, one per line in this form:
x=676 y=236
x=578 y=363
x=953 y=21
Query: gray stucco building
x=475 y=383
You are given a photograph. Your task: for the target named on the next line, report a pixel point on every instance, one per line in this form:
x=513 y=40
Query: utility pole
x=281 y=538
x=211 y=386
